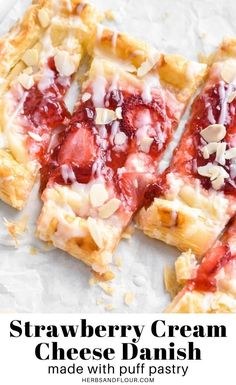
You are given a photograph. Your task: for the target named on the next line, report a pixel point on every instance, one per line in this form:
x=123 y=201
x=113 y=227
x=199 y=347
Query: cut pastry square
x=121 y=126
x=39 y=60
x=208 y=287
x=195 y=197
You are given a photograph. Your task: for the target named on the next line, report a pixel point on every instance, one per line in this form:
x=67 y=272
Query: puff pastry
x=191 y=203
x=131 y=103
x=208 y=287
x=39 y=58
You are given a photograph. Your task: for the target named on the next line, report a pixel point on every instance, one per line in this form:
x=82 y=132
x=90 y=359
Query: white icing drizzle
x=100 y=29
x=114 y=40
x=150 y=82
x=67 y=173
x=210 y=115
x=47 y=79
x=114 y=130
x=3 y=141
x=224 y=102
x=47 y=47
x=99 y=91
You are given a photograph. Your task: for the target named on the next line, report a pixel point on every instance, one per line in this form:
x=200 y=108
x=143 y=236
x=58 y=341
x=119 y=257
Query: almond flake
x=95 y=233
x=231 y=97
x=220 y=153
x=98 y=195
x=218 y=182
x=28 y=70
x=44 y=18
x=119 y=113
x=31 y=57
x=129 y=298
x=104 y=116
x=26 y=80
x=231 y=153
x=110 y=307
x=145 y=144
x=109 y=208
x=209 y=149
x=214 y=133
x=86 y=96
x=228 y=71
x=120 y=138
x=34 y=136
x=148 y=64
x=217 y=174
x=64 y=63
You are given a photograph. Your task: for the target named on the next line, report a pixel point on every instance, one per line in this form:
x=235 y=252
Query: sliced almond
x=216 y=173
x=109 y=208
x=148 y=64
x=26 y=81
x=210 y=170
x=228 y=71
x=231 y=153
x=86 y=96
x=31 y=57
x=64 y=63
x=119 y=113
x=44 y=18
x=209 y=149
x=231 y=97
x=145 y=144
x=120 y=138
x=98 y=195
x=214 y=133
x=220 y=153
x=28 y=70
x=218 y=182
x=34 y=136
x=95 y=232
x=104 y=116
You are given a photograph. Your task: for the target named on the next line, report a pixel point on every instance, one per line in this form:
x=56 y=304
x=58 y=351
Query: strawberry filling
x=93 y=150
x=45 y=110
x=215 y=259
x=207 y=109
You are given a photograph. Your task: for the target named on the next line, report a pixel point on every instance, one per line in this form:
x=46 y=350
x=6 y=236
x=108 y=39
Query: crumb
x=109 y=15
x=109 y=290
x=110 y=307
x=202 y=35
x=118 y=262
x=100 y=301
x=108 y=276
x=33 y=250
x=128 y=232
x=129 y=298
x=48 y=245
x=16 y=228
x=92 y=281
x=170 y=281
x=165 y=16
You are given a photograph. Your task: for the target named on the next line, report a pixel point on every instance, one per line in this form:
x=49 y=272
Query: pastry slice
x=211 y=286
x=39 y=59
x=190 y=204
x=131 y=103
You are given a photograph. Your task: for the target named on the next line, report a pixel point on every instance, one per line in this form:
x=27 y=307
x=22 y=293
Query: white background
x=51 y=281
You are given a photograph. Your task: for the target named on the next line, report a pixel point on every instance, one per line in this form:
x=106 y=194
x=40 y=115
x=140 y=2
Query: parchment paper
x=34 y=278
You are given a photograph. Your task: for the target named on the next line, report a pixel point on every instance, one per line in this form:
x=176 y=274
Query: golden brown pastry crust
x=208 y=286
x=43 y=17
x=114 y=54
x=187 y=216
